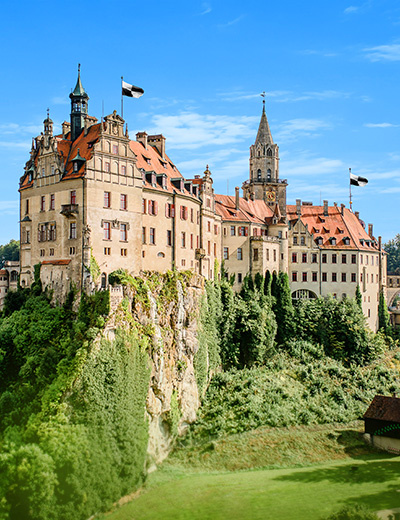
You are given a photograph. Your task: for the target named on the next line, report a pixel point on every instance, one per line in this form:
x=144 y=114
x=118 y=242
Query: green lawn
x=190 y=492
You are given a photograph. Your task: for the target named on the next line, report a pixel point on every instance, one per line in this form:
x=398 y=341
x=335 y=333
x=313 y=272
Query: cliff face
x=167 y=309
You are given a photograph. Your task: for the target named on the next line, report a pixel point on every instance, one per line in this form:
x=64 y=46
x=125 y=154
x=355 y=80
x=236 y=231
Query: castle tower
x=264 y=183
x=79 y=107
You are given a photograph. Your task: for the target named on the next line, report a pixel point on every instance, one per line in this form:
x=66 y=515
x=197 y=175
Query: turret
x=79 y=107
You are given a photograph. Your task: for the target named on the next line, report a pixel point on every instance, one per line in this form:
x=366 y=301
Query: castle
x=92 y=200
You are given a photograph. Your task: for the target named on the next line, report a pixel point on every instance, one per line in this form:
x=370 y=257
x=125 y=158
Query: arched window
x=103 y=280
x=14 y=276
x=269 y=175
x=269 y=152
x=258 y=175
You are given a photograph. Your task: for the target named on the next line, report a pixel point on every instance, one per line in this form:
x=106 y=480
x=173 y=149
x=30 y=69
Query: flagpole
x=351 y=209
x=122 y=99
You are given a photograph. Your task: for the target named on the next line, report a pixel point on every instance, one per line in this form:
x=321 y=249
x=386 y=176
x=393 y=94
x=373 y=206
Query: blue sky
x=330 y=71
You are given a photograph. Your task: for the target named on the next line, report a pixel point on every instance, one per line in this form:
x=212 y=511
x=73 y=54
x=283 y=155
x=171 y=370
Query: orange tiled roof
x=255 y=211
x=149 y=160
x=334 y=225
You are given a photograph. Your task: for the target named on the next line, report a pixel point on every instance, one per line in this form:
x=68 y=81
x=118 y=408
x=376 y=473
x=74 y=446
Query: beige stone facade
x=93 y=201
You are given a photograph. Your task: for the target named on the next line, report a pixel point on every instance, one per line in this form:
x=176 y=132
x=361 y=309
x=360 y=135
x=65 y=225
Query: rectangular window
x=124 y=201
x=304 y=277
x=324 y=277
x=343 y=277
x=314 y=276
x=52 y=201
x=314 y=258
x=42 y=203
x=215 y=230
x=294 y=258
x=152 y=236
x=303 y=241
x=72 y=250
x=28 y=237
x=334 y=277
x=107 y=199
x=42 y=233
x=115 y=149
x=144 y=206
x=107 y=230
x=124 y=232
x=344 y=259
x=52 y=232
x=124 y=252
x=183 y=239
x=152 y=207
x=191 y=240
x=73 y=197
x=267 y=255
x=304 y=258
x=233 y=231
x=255 y=255
x=143 y=235
x=72 y=230
x=107 y=251
x=274 y=255
x=239 y=277
x=226 y=253
x=353 y=277
x=361 y=259
x=295 y=241
x=184 y=212
x=123 y=170
x=51 y=251
x=191 y=215
x=169 y=210
x=294 y=276
x=353 y=259
x=209 y=247
x=169 y=237
x=107 y=167
x=372 y=260
x=243 y=231
x=324 y=258
x=239 y=253
x=27 y=206
x=334 y=258
x=209 y=226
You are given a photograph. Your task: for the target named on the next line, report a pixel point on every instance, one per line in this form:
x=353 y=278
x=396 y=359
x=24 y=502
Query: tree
x=283 y=308
x=359 y=296
x=392 y=249
x=383 y=314
x=10 y=251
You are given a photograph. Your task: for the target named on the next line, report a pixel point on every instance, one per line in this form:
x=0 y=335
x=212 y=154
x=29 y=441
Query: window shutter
x=155 y=207
x=186 y=212
x=172 y=210
x=144 y=206
x=167 y=210
x=246 y=231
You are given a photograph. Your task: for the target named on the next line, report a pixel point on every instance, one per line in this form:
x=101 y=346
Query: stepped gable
x=334 y=225
x=149 y=160
x=384 y=408
x=256 y=211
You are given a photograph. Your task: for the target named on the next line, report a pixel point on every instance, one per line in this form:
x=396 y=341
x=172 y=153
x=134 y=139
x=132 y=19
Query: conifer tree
x=283 y=308
x=259 y=282
x=383 y=314
x=358 y=296
x=267 y=284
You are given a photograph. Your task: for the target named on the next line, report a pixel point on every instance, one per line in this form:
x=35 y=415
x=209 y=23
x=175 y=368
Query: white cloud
x=351 y=9
x=231 y=22
x=384 y=52
x=310 y=52
x=189 y=130
x=287 y=96
x=9 y=207
x=295 y=128
x=380 y=125
x=15 y=128
x=306 y=165
x=206 y=8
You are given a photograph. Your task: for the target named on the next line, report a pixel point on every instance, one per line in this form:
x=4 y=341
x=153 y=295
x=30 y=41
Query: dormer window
x=332 y=241
x=75 y=167
x=319 y=241
x=346 y=241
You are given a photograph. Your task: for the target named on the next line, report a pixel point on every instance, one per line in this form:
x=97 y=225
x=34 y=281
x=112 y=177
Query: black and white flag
x=355 y=180
x=131 y=90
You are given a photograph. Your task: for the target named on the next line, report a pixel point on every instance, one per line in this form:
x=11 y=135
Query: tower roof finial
x=263 y=96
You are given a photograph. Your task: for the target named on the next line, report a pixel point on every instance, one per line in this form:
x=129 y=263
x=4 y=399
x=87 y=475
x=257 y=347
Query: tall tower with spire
x=79 y=107
x=264 y=183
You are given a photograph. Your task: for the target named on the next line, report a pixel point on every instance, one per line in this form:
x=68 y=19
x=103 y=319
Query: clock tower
x=264 y=182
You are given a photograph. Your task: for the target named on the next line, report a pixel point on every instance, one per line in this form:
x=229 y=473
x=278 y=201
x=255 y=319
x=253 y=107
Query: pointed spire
x=79 y=90
x=264 y=135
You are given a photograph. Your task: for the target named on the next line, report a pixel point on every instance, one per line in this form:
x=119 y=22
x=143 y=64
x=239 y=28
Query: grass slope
x=196 y=484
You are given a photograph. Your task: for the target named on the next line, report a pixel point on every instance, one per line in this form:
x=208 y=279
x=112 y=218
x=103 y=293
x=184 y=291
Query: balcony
x=69 y=210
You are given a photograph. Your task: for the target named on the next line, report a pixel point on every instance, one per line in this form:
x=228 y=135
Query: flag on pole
x=131 y=91
x=355 y=180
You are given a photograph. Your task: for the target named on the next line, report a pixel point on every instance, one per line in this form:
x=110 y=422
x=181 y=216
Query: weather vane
x=263 y=96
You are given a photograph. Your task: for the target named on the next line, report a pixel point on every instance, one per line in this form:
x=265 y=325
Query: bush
x=353 y=513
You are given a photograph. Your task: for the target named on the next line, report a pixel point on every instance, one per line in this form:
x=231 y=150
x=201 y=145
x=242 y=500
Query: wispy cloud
x=16 y=129
x=189 y=130
x=383 y=52
x=351 y=9
x=16 y=144
x=308 y=166
x=60 y=100
x=287 y=96
x=9 y=207
x=311 y=52
x=380 y=125
x=206 y=8
x=295 y=128
x=231 y=22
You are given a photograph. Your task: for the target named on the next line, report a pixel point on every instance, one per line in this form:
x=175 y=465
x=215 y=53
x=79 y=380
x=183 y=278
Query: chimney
x=335 y=204
x=371 y=230
x=66 y=127
x=298 y=207
x=237 y=197
x=380 y=243
x=357 y=214
x=342 y=206
x=326 y=212
x=141 y=137
x=158 y=142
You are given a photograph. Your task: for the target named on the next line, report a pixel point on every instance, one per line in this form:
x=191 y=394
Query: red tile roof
x=384 y=408
x=149 y=160
x=255 y=211
x=56 y=262
x=334 y=225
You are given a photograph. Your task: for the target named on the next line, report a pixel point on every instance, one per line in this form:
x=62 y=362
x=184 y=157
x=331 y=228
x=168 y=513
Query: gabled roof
x=68 y=151
x=253 y=211
x=384 y=408
x=334 y=225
